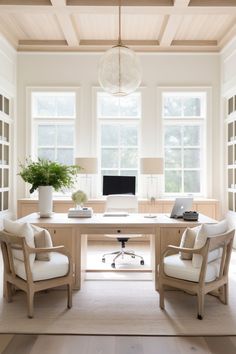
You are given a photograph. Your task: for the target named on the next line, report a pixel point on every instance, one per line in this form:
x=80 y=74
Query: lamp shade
x=89 y=164
x=151 y=165
x=119 y=71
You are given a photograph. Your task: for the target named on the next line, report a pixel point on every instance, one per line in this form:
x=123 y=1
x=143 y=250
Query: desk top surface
x=100 y=219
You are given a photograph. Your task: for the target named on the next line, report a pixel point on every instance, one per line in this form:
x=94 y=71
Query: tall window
x=119 y=133
x=184 y=116
x=53 y=116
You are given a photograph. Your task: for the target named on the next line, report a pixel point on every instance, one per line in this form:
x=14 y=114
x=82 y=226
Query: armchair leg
x=200 y=299
x=30 y=304
x=161 y=295
x=69 y=295
x=223 y=294
x=8 y=291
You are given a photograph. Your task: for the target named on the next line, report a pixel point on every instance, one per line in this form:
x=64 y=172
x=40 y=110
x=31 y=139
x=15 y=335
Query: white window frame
x=33 y=123
x=115 y=120
x=206 y=122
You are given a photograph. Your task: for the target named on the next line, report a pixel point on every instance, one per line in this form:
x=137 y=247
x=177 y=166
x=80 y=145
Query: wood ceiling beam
x=39 y=42
x=228 y=35
x=99 y=9
x=65 y=22
x=199 y=43
x=100 y=49
x=170 y=29
x=172 y=24
x=212 y=3
x=88 y=42
x=123 y=2
x=110 y=43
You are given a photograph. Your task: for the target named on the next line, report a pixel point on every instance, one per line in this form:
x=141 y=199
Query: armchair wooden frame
x=217 y=287
x=10 y=242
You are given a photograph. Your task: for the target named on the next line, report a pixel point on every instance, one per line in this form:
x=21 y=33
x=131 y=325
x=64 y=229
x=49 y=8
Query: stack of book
x=80 y=213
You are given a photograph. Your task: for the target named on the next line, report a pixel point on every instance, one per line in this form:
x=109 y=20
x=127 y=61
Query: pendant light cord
x=119 y=45
x=119 y=38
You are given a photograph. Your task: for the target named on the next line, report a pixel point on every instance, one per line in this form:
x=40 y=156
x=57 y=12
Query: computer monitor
x=180 y=206
x=118 y=185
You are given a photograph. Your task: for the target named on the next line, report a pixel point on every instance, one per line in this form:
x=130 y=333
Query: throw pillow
x=42 y=239
x=187 y=241
x=22 y=230
x=205 y=231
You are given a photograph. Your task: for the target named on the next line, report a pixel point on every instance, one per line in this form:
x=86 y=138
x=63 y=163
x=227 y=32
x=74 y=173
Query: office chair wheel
x=113 y=265
x=142 y=262
x=103 y=260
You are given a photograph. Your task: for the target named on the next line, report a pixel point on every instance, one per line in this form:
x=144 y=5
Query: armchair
x=210 y=277
x=37 y=275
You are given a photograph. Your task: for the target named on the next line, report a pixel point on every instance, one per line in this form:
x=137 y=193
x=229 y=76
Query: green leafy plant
x=48 y=173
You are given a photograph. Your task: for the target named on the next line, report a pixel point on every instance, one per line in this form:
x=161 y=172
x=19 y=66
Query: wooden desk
x=72 y=232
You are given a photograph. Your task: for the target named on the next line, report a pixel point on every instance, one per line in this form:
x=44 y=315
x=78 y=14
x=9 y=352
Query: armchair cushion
x=42 y=239
x=23 y=230
x=188 y=240
x=176 y=267
x=58 y=266
x=205 y=231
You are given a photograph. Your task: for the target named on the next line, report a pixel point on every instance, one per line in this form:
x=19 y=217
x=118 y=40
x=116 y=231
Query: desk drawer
x=117 y=230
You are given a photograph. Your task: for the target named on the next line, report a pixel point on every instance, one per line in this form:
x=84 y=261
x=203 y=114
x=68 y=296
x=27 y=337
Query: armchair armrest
x=171 y=248
x=59 y=249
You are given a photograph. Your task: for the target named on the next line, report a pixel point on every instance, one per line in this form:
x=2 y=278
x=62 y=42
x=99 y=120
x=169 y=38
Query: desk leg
x=80 y=259
x=155 y=256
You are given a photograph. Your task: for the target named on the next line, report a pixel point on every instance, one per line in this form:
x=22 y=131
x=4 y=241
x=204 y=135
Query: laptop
x=180 y=206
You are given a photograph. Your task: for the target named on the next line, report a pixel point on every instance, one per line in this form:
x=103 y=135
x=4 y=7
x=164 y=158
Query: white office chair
x=122 y=203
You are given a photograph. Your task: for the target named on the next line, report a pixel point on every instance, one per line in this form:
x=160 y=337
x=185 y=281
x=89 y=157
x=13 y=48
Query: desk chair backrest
x=122 y=202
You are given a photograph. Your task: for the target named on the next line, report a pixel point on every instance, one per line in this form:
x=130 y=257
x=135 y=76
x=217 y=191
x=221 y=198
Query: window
x=54 y=116
x=184 y=116
x=119 y=133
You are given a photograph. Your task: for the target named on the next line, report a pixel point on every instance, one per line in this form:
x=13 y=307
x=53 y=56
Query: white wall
x=75 y=69
x=8 y=66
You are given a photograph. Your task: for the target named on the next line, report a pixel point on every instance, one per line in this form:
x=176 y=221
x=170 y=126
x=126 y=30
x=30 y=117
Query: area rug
x=119 y=308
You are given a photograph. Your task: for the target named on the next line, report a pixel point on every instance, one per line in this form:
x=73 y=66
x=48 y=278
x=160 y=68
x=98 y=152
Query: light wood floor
x=52 y=344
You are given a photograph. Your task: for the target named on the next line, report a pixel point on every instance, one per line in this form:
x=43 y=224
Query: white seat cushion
x=176 y=267
x=57 y=267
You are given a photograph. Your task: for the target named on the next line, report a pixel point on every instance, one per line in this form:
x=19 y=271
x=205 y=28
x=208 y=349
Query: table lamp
x=89 y=167
x=151 y=166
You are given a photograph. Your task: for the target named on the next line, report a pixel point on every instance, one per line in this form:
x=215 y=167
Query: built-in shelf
x=231 y=152
x=5 y=121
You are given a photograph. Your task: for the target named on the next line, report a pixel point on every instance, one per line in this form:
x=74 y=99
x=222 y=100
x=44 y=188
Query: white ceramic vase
x=45 y=201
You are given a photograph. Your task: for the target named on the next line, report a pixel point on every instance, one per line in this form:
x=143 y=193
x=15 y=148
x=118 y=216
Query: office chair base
x=121 y=253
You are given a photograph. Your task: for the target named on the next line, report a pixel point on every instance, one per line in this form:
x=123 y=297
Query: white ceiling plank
x=8 y=35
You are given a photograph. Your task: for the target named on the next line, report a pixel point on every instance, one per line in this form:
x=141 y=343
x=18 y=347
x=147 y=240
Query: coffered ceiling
x=92 y=25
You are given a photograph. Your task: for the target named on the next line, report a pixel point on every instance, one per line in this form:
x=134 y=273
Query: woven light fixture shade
x=119 y=71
